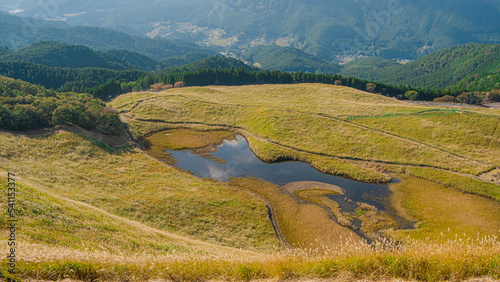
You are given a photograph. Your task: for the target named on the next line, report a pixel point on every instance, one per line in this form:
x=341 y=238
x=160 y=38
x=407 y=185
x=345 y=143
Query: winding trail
x=123 y=140
x=208 y=247
x=270 y=209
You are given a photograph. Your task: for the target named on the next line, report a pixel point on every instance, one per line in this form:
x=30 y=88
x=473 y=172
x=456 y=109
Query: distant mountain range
x=55 y=54
x=404 y=29
x=474 y=67
x=17 y=33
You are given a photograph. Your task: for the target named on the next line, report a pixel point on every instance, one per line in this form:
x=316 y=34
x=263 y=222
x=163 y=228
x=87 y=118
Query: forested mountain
x=54 y=54
x=65 y=79
x=85 y=79
x=287 y=59
x=17 y=33
x=475 y=67
x=137 y=60
x=387 y=28
x=216 y=62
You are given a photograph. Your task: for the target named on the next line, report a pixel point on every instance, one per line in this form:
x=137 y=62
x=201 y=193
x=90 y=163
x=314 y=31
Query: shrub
x=179 y=84
x=370 y=87
x=412 y=95
x=494 y=95
x=469 y=98
x=446 y=99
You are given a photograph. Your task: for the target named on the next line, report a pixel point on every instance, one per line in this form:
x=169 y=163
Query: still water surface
x=240 y=161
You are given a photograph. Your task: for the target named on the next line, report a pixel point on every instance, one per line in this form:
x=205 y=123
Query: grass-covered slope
x=48 y=220
x=124 y=182
x=90 y=211
x=317 y=119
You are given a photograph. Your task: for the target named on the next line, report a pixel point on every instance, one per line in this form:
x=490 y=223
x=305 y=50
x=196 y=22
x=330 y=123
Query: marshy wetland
x=323 y=140
x=221 y=155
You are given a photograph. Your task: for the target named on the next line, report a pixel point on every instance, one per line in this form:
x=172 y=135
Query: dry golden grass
x=302 y=225
x=97 y=213
x=126 y=183
x=70 y=227
x=309 y=118
x=444 y=213
x=474 y=136
x=428 y=261
x=182 y=139
x=307 y=122
x=319 y=196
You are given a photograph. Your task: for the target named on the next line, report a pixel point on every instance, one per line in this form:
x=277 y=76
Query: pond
x=233 y=158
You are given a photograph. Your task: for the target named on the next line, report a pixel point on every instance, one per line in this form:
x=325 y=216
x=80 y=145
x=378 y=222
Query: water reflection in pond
x=235 y=159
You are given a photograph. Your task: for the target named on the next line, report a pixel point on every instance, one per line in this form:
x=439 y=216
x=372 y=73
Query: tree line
x=24 y=106
x=106 y=84
x=241 y=76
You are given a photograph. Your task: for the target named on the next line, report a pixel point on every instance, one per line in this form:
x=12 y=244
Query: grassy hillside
x=300 y=111
x=52 y=221
x=157 y=195
x=83 y=235
x=89 y=210
x=331 y=128
x=474 y=67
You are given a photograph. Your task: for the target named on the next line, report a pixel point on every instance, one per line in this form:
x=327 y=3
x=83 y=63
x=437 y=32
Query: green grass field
x=90 y=211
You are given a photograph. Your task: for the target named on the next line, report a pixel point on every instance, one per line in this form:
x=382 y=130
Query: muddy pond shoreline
x=358 y=206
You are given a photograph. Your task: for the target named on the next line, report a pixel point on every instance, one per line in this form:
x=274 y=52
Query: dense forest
x=75 y=94
x=215 y=62
x=54 y=54
x=475 y=67
x=105 y=83
x=274 y=57
x=65 y=79
x=24 y=106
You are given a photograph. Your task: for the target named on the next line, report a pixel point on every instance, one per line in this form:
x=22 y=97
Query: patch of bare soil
x=492 y=176
x=303 y=185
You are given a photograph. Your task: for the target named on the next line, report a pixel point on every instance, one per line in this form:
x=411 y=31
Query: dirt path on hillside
x=270 y=208
x=125 y=139
x=205 y=246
